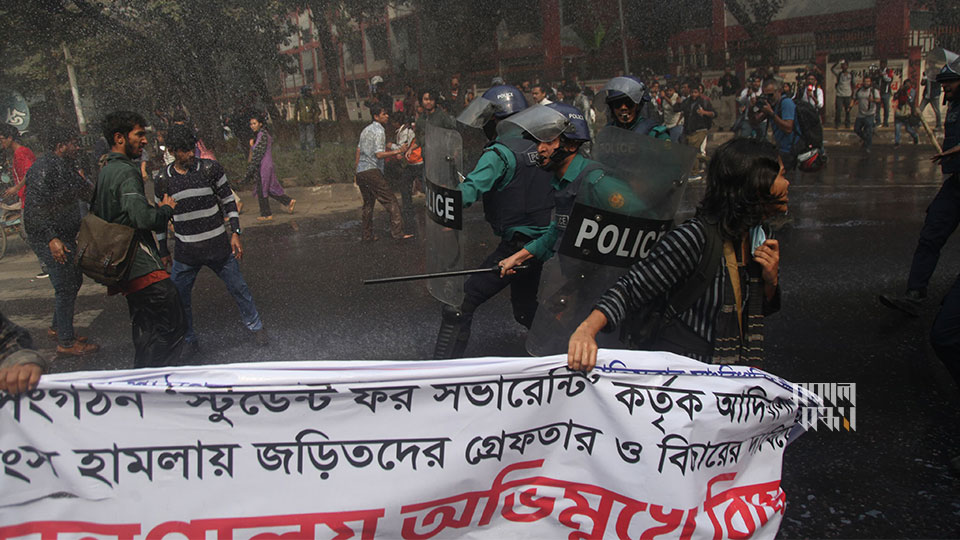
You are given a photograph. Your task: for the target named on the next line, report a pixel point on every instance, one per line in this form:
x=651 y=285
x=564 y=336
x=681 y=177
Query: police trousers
x=523 y=285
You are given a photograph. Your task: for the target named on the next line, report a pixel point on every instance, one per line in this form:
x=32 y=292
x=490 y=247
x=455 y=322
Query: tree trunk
x=331 y=57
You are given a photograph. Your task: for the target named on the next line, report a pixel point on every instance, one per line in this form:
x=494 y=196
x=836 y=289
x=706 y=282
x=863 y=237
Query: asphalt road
x=853 y=230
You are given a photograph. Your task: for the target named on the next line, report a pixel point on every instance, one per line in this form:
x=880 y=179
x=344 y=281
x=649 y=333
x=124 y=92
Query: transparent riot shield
x=443 y=161
x=616 y=221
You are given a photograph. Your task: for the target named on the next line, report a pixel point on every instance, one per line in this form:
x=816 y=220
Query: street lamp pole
x=623 y=40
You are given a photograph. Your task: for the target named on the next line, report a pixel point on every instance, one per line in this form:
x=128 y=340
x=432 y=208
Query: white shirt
x=814 y=98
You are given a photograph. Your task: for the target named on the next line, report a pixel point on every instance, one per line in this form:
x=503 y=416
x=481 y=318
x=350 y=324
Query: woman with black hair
x=262 y=170
x=745 y=185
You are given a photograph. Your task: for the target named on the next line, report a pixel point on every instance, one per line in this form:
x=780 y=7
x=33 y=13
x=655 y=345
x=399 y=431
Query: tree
x=755 y=17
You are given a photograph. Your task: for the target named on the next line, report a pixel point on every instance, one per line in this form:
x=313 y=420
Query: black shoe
x=261 y=338
x=909 y=304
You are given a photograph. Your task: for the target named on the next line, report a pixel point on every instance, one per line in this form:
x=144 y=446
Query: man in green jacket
x=156 y=314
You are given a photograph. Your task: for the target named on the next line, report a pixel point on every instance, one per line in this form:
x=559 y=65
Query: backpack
x=810 y=128
x=657 y=327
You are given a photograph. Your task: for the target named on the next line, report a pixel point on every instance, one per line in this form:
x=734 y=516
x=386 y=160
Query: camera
x=761 y=102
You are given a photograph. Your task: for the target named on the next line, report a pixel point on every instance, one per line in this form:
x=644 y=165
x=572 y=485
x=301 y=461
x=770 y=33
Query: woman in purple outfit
x=262 y=170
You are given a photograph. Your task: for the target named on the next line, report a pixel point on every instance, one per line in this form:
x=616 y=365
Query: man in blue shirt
x=780 y=111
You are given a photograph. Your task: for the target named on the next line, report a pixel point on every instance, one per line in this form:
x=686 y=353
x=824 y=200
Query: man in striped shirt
x=204 y=201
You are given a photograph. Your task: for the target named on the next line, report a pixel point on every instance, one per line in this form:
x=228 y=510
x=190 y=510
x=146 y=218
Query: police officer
x=561 y=133
x=943 y=216
x=626 y=97
x=517 y=202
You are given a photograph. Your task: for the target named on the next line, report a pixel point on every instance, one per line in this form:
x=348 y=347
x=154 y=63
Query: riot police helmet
x=540 y=122
x=498 y=102
x=950 y=72
x=619 y=88
x=581 y=131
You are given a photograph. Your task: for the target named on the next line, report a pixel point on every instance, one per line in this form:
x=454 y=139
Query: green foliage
x=755 y=17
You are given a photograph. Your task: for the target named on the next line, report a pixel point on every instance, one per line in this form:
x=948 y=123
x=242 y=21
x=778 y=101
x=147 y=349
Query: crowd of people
x=527 y=178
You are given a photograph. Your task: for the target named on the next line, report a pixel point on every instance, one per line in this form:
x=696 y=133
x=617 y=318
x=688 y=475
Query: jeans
x=906 y=125
x=675 y=133
x=864 y=128
x=184 y=276
x=943 y=216
x=885 y=103
x=407 y=177
x=936 y=109
x=842 y=104
x=307 y=137
x=66 y=279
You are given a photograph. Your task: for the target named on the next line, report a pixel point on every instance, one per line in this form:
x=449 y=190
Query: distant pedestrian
x=306 y=116
x=204 y=202
x=371 y=151
x=155 y=310
x=411 y=169
x=22 y=160
x=52 y=220
x=844 y=90
x=867 y=102
x=930 y=96
x=263 y=173
x=904 y=112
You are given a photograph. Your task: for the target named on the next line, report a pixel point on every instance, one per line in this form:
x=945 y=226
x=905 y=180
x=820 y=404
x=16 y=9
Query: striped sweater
x=667 y=268
x=203 y=200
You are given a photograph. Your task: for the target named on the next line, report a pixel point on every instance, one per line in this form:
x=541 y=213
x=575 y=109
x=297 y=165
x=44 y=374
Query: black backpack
x=809 y=128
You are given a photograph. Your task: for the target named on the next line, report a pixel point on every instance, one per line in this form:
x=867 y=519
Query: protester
x=745 y=185
x=306 y=117
x=539 y=93
x=411 y=169
x=930 y=96
x=20 y=366
x=867 y=100
x=22 y=160
x=698 y=114
x=905 y=112
x=156 y=314
x=885 y=82
x=432 y=115
x=204 y=202
x=371 y=151
x=729 y=87
x=51 y=220
x=812 y=93
x=672 y=113
x=261 y=170
x=844 y=90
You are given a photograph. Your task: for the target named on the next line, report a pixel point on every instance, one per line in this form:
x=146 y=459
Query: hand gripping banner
x=646 y=444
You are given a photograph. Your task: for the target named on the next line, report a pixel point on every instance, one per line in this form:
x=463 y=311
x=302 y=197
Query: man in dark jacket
x=52 y=220
x=157 y=316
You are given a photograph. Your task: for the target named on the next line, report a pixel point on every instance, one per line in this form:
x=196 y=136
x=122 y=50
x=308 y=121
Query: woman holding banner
x=745 y=185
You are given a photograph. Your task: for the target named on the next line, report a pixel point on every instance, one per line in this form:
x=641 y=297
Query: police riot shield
x=477 y=113
x=617 y=218
x=443 y=161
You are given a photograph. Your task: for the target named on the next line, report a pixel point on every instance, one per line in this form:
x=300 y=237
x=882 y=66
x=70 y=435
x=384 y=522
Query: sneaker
x=293 y=202
x=909 y=304
x=52 y=334
x=43 y=274
x=261 y=338
x=79 y=348
x=265 y=218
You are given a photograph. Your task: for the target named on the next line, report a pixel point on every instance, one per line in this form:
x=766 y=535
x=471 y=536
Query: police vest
x=525 y=200
x=566 y=196
x=951 y=138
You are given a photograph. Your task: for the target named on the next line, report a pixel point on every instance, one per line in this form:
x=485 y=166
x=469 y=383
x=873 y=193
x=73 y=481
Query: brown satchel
x=105 y=251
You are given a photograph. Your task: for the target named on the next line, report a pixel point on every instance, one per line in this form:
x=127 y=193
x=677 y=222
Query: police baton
x=453 y=273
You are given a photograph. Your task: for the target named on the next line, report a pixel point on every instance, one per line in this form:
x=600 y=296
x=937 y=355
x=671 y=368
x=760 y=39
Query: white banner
x=648 y=444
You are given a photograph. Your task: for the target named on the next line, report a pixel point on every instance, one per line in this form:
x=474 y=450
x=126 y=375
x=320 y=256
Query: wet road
x=853 y=230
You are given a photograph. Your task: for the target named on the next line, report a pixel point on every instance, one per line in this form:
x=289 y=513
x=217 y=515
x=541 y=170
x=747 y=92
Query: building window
x=377 y=39
x=353 y=50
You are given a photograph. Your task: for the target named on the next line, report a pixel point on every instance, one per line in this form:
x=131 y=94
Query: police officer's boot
x=910 y=303
x=454 y=333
